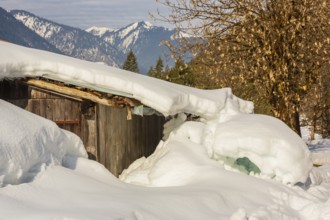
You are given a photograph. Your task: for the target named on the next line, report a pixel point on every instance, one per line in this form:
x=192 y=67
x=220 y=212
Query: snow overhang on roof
x=165 y=97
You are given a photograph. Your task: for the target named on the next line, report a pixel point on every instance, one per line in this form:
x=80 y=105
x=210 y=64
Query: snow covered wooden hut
x=112 y=134
x=100 y=103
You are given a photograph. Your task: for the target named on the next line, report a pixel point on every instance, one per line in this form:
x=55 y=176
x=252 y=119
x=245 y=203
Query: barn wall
x=67 y=114
x=122 y=141
x=64 y=112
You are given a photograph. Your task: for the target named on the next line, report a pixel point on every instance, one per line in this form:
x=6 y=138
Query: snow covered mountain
x=71 y=41
x=15 y=32
x=99 y=31
x=143 y=38
x=103 y=44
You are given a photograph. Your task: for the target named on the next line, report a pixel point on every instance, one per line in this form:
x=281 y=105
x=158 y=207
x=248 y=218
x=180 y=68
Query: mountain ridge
x=70 y=41
x=11 y=30
x=102 y=44
x=144 y=39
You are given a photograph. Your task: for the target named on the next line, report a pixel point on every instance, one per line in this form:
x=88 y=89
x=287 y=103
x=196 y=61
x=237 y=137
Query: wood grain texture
x=122 y=141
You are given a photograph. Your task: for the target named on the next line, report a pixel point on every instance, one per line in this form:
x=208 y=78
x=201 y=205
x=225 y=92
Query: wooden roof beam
x=68 y=91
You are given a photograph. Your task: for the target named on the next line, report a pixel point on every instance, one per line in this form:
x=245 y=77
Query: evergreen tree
x=180 y=74
x=130 y=63
x=159 y=66
x=151 y=72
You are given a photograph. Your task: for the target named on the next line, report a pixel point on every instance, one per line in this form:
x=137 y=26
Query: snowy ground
x=63 y=184
x=319 y=147
x=230 y=164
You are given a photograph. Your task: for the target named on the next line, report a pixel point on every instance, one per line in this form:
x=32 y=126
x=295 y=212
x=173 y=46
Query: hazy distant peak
x=99 y=31
x=145 y=24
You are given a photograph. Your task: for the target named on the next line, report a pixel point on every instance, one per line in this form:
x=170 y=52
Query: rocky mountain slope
x=100 y=44
x=15 y=32
x=71 y=41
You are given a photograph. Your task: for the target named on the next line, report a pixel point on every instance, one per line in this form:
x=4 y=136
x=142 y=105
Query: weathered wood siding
x=121 y=141
x=64 y=112
x=67 y=114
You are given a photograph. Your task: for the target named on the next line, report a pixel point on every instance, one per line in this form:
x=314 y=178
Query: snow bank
x=29 y=144
x=266 y=143
x=167 y=98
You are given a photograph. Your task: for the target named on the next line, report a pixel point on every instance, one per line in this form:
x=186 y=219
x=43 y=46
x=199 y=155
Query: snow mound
x=29 y=144
x=244 y=143
x=267 y=142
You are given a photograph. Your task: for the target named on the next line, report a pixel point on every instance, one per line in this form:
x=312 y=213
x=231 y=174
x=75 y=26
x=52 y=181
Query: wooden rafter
x=77 y=93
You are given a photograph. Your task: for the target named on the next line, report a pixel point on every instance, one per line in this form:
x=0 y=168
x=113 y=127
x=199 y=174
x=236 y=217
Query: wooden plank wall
x=122 y=141
x=65 y=112
x=88 y=132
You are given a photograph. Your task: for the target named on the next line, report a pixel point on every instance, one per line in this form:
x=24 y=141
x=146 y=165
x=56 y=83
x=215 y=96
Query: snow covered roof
x=165 y=97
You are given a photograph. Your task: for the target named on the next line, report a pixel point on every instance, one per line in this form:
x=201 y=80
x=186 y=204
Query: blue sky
x=87 y=13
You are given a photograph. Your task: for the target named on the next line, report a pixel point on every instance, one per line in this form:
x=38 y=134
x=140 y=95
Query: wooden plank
x=57 y=110
x=88 y=134
x=101 y=118
x=37 y=93
x=50 y=109
x=43 y=107
x=117 y=150
x=122 y=141
x=70 y=91
x=34 y=106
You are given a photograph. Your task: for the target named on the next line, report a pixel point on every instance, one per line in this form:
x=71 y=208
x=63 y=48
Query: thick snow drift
x=29 y=144
x=246 y=142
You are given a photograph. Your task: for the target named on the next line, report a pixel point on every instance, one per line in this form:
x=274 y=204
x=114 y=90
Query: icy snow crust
x=194 y=164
